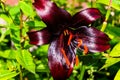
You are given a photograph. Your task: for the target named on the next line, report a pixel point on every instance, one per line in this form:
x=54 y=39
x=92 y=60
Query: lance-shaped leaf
x=6 y=74
x=117 y=76
x=115 y=3
x=25 y=59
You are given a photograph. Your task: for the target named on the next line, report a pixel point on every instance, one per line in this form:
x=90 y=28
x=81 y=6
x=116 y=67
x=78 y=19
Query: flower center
x=79 y=41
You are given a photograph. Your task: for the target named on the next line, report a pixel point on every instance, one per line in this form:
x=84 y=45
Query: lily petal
x=39 y=37
x=86 y=17
x=51 y=14
x=61 y=57
x=95 y=40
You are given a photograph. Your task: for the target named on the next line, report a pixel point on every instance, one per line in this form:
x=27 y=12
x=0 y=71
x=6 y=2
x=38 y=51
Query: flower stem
x=93 y=3
x=21 y=47
x=21 y=75
x=83 y=67
x=107 y=16
x=104 y=26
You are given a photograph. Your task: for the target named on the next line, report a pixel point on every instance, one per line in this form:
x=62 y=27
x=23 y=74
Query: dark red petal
x=94 y=47
x=59 y=66
x=51 y=14
x=95 y=40
x=93 y=32
x=94 y=44
x=86 y=17
x=39 y=37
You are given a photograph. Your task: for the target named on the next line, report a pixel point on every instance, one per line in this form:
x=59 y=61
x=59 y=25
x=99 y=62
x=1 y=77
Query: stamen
x=77 y=60
x=66 y=32
x=70 y=38
x=85 y=49
x=65 y=57
x=79 y=43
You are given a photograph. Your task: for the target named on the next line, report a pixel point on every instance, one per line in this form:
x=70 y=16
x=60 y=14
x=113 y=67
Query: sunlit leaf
x=26 y=8
x=117 y=76
x=9 y=54
x=42 y=67
x=25 y=59
x=15 y=35
x=2 y=22
x=2 y=65
x=14 y=10
x=110 y=61
x=115 y=3
x=12 y=65
x=115 y=31
x=115 y=51
x=37 y=25
x=6 y=18
x=5 y=74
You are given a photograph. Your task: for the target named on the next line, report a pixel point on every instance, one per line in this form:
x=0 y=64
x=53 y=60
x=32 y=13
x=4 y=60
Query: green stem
x=21 y=23
x=83 y=67
x=106 y=17
x=93 y=3
x=21 y=47
x=21 y=75
x=104 y=26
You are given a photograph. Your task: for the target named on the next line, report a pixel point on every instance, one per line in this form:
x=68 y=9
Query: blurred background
x=21 y=61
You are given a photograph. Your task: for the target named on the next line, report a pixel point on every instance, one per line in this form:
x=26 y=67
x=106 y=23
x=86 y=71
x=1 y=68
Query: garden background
x=21 y=61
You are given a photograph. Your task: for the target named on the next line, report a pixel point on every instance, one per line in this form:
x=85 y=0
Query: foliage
x=21 y=61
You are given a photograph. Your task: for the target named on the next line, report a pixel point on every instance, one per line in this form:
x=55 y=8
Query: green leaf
x=5 y=74
x=115 y=3
x=115 y=51
x=36 y=24
x=11 y=65
x=117 y=77
x=15 y=35
x=110 y=61
x=115 y=31
x=42 y=68
x=14 y=10
x=26 y=8
x=3 y=34
x=9 y=54
x=6 y=18
x=2 y=64
x=25 y=59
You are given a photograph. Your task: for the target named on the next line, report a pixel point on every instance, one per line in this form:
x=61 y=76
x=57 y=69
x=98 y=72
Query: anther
x=79 y=42
x=85 y=49
x=65 y=57
x=77 y=60
x=66 y=32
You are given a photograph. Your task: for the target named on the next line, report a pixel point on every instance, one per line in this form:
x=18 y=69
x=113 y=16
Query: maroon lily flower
x=66 y=33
